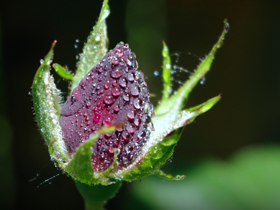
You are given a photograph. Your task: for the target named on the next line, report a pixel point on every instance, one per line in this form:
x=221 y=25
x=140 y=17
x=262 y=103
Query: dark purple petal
x=113 y=92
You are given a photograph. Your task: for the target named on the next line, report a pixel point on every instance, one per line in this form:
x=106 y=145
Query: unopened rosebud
x=107 y=130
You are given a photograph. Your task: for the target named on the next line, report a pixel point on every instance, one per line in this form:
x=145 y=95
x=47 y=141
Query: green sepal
x=80 y=167
x=95 y=48
x=46 y=101
x=176 y=101
x=166 y=73
x=62 y=72
x=153 y=159
x=202 y=108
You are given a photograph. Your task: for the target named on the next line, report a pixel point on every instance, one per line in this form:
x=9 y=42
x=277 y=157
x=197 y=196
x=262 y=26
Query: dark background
x=245 y=71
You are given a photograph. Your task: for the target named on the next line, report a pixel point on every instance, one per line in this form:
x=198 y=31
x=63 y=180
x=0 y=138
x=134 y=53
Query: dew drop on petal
x=130 y=77
x=136 y=103
x=107 y=84
x=126 y=96
x=96 y=119
x=116 y=91
x=134 y=90
x=107 y=121
x=108 y=99
x=122 y=82
x=116 y=73
x=110 y=150
x=130 y=114
x=130 y=128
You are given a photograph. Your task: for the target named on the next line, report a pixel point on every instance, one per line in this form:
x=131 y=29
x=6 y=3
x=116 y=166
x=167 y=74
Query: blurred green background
x=231 y=154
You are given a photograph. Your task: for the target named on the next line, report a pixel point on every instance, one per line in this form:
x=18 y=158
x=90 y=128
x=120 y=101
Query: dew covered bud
x=107 y=130
x=112 y=92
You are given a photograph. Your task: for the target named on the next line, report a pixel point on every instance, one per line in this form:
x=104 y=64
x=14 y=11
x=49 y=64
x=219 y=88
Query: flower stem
x=96 y=195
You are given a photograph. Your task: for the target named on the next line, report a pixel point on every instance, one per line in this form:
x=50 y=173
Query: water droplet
x=128 y=62
x=202 y=81
x=226 y=26
x=130 y=128
x=116 y=73
x=130 y=114
x=76 y=46
x=77 y=40
x=122 y=82
x=134 y=90
x=114 y=84
x=107 y=121
x=108 y=99
x=136 y=121
x=125 y=135
x=136 y=103
x=119 y=53
x=116 y=108
x=97 y=38
x=107 y=84
x=130 y=77
x=115 y=62
x=156 y=73
x=110 y=150
x=116 y=91
x=145 y=91
x=88 y=104
x=41 y=61
x=126 y=97
x=179 y=82
x=168 y=66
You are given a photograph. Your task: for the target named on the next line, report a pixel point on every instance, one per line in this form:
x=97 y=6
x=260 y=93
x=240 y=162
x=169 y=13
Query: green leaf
x=46 y=101
x=62 y=72
x=95 y=48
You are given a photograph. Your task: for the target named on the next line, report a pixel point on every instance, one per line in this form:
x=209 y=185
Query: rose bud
x=107 y=130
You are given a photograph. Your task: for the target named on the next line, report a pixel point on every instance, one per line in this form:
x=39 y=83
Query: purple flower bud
x=113 y=92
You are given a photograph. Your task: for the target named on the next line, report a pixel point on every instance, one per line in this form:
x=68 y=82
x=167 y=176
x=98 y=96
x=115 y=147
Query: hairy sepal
x=46 y=100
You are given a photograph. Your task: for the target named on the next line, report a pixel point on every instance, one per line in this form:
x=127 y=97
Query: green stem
x=95 y=196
